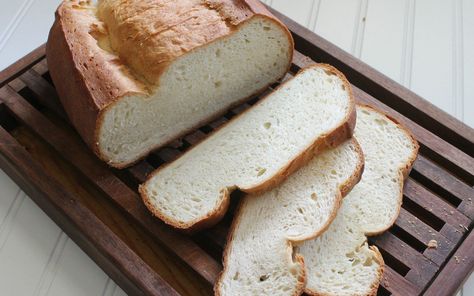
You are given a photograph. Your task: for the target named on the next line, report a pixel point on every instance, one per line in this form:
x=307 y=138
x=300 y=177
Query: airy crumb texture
x=134 y=75
x=340 y=262
x=256 y=150
x=258 y=258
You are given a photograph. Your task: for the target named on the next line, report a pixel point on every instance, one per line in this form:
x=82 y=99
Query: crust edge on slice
x=403 y=172
x=343 y=189
x=332 y=138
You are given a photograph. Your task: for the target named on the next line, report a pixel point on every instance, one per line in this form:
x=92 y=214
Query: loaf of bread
x=259 y=258
x=256 y=150
x=135 y=75
x=340 y=262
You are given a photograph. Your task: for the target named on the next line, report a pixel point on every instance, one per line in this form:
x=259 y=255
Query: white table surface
x=426 y=45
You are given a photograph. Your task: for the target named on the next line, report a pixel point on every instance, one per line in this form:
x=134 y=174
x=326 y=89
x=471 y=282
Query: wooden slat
x=378 y=85
x=421 y=268
x=79 y=223
x=141 y=170
x=448 y=182
x=45 y=93
x=21 y=65
x=434 y=204
x=41 y=67
x=77 y=154
x=398 y=285
x=456 y=271
x=423 y=233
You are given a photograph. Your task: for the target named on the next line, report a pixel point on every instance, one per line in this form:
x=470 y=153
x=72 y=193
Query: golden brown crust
x=86 y=77
x=344 y=189
x=331 y=139
x=404 y=171
x=89 y=77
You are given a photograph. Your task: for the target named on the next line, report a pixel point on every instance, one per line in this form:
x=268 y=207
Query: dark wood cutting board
x=100 y=209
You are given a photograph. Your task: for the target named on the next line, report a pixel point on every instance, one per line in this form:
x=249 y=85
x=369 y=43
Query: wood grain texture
x=75 y=218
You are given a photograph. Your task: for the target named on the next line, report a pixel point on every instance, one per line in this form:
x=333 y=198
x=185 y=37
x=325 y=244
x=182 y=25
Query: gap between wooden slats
x=421 y=268
x=447 y=182
x=433 y=204
x=424 y=234
x=74 y=151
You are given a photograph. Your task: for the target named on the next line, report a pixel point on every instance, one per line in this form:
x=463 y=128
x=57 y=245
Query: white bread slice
x=135 y=75
x=259 y=257
x=255 y=151
x=340 y=262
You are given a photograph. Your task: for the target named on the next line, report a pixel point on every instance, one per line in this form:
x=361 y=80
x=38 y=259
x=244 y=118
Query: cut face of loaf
x=256 y=150
x=340 y=262
x=135 y=75
x=259 y=259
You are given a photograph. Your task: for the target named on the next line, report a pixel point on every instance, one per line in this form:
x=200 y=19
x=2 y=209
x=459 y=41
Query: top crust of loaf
x=89 y=75
x=177 y=27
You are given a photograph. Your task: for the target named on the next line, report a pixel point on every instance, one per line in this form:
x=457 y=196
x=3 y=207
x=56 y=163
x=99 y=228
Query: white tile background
x=426 y=45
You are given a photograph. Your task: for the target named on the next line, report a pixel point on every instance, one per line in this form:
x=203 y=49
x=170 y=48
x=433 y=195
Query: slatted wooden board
x=100 y=209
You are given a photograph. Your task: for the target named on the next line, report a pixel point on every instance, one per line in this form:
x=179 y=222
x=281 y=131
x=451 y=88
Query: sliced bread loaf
x=256 y=150
x=259 y=257
x=340 y=262
x=134 y=75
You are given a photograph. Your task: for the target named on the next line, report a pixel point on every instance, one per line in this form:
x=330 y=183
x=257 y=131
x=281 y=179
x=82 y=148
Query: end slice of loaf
x=259 y=258
x=135 y=75
x=340 y=262
x=256 y=150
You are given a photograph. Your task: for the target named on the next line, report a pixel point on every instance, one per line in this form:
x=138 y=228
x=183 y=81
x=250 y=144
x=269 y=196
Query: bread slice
x=340 y=262
x=256 y=150
x=135 y=75
x=259 y=257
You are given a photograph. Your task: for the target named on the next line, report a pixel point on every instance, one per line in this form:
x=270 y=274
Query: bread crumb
x=457 y=259
x=432 y=244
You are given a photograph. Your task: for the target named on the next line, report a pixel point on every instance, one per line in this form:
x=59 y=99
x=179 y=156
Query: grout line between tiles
x=11 y=27
x=7 y=223
x=458 y=59
x=50 y=270
x=408 y=43
x=109 y=288
x=362 y=20
x=316 y=15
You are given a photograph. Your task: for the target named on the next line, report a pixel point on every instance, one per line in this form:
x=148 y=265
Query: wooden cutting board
x=100 y=209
